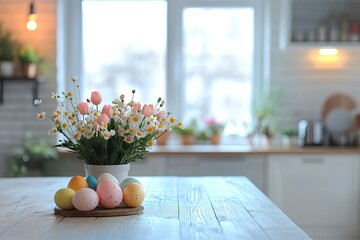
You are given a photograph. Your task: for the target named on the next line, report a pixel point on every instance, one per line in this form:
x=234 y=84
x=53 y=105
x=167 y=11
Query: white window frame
x=69 y=60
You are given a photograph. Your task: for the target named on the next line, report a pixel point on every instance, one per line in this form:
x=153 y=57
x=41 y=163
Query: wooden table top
x=174 y=208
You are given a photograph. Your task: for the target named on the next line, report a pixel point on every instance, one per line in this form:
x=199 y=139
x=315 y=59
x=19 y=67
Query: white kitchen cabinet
x=318 y=192
x=319 y=23
x=250 y=166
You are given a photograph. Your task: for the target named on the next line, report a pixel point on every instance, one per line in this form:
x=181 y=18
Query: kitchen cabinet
x=319 y=192
x=250 y=166
x=318 y=23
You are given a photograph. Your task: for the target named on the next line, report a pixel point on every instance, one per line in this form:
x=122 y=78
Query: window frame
x=69 y=62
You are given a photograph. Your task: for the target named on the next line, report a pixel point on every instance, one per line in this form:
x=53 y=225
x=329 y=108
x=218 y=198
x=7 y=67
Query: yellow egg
x=63 y=198
x=77 y=182
x=133 y=195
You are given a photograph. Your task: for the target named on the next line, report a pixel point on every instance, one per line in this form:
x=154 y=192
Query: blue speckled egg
x=92 y=182
x=129 y=180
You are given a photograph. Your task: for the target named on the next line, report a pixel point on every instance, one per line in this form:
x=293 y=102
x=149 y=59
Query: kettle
x=311 y=133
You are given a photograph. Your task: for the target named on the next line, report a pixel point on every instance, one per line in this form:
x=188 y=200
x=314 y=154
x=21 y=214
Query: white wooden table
x=175 y=208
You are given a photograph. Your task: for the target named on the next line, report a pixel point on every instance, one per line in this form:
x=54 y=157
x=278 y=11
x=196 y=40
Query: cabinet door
x=318 y=192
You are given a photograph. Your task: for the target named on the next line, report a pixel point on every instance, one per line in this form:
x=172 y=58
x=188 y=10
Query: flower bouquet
x=118 y=133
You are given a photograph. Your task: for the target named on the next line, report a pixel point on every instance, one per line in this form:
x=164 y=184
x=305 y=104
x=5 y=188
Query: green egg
x=92 y=182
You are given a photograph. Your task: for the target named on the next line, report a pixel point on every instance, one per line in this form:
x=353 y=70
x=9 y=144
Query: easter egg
x=77 y=182
x=127 y=181
x=107 y=176
x=85 y=199
x=110 y=194
x=133 y=195
x=63 y=198
x=92 y=182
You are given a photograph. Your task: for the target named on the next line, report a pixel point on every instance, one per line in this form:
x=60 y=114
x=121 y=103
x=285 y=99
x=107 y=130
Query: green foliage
x=215 y=129
x=29 y=55
x=188 y=130
x=288 y=132
x=7 y=45
x=28 y=154
x=263 y=108
x=114 y=151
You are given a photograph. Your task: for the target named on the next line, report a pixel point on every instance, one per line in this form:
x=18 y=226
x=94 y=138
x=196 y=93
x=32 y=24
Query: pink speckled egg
x=85 y=199
x=110 y=194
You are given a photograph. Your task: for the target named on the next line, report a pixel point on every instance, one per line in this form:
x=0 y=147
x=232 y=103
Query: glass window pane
x=218 y=55
x=124 y=44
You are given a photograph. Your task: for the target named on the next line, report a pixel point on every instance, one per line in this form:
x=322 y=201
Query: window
x=202 y=56
x=218 y=58
x=124 y=48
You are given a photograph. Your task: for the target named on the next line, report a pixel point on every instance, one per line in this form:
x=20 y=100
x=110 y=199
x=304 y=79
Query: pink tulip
x=96 y=98
x=96 y=126
x=107 y=109
x=161 y=114
x=147 y=110
x=83 y=108
x=103 y=119
x=136 y=107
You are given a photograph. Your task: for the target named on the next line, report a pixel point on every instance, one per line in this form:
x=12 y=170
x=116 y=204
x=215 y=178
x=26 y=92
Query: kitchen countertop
x=236 y=150
x=174 y=208
x=247 y=150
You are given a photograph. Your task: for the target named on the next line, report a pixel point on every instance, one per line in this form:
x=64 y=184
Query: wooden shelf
x=35 y=88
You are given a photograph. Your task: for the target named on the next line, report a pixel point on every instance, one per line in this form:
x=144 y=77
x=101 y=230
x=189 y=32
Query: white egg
x=107 y=176
x=85 y=199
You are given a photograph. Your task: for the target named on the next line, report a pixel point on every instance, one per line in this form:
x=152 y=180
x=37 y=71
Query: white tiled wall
x=306 y=80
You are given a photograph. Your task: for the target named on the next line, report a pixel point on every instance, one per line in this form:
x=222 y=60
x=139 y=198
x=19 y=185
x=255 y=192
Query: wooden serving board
x=100 y=212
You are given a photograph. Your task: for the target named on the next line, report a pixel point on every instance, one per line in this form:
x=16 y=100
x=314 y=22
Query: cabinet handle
x=313 y=160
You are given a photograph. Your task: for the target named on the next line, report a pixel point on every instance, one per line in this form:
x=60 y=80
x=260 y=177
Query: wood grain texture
x=174 y=208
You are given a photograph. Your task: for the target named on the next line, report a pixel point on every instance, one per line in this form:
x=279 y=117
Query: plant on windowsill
x=29 y=59
x=187 y=133
x=214 y=129
x=263 y=108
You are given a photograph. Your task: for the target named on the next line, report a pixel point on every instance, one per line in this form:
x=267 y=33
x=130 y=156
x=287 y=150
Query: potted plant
x=110 y=137
x=214 y=130
x=263 y=108
x=289 y=137
x=7 y=49
x=29 y=59
x=31 y=157
x=187 y=133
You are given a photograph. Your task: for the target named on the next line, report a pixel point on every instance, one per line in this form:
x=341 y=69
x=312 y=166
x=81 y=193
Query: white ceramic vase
x=119 y=171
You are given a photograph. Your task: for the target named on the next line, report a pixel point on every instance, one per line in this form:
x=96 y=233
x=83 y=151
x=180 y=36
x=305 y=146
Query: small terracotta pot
x=215 y=139
x=187 y=139
x=162 y=140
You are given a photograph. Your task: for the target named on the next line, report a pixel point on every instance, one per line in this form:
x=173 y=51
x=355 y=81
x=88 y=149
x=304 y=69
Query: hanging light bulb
x=32 y=24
